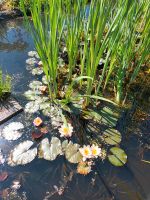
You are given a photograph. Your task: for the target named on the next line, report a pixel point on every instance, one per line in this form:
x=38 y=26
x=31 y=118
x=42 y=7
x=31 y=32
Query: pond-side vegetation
x=85 y=65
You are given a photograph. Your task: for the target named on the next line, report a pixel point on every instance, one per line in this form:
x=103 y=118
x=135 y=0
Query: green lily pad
x=118 y=157
x=112 y=136
x=49 y=151
x=35 y=85
x=32 y=95
x=72 y=153
x=37 y=71
x=109 y=116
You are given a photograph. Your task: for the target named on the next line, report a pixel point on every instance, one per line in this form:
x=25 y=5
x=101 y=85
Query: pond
x=54 y=180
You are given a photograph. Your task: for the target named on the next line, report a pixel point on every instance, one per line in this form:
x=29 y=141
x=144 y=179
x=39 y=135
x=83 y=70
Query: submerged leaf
x=3 y=176
x=37 y=135
x=117 y=157
x=22 y=154
x=112 y=136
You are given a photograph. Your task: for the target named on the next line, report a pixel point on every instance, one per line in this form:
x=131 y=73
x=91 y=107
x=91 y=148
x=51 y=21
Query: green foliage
x=116 y=32
x=5 y=85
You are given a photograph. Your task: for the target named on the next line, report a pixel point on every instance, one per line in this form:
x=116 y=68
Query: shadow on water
x=56 y=180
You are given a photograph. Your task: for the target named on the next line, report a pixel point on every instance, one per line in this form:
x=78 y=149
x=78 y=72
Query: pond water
x=58 y=179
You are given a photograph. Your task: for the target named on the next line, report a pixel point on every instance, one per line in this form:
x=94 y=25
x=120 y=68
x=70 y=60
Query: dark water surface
x=105 y=182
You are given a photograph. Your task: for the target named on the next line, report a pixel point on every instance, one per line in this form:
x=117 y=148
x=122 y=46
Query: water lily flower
x=83 y=168
x=86 y=152
x=96 y=151
x=66 y=130
x=37 y=121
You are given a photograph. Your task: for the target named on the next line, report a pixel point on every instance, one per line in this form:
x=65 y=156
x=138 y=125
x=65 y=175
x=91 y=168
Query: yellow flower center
x=94 y=151
x=65 y=130
x=86 y=152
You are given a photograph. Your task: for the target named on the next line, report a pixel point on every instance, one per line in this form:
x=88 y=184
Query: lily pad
x=22 y=154
x=32 y=95
x=118 y=156
x=112 y=136
x=12 y=131
x=35 y=85
x=37 y=71
x=31 y=107
x=49 y=151
x=110 y=116
x=72 y=153
x=44 y=80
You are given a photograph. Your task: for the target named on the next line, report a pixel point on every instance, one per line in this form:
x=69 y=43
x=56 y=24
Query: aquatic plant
x=5 y=85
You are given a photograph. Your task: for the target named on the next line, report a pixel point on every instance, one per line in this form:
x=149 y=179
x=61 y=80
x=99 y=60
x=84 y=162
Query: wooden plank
x=9 y=108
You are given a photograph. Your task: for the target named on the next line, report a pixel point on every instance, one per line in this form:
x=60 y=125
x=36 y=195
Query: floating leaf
x=35 y=85
x=49 y=151
x=37 y=135
x=22 y=154
x=118 y=157
x=44 y=105
x=37 y=71
x=12 y=131
x=32 y=107
x=3 y=176
x=44 y=130
x=32 y=53
x=31 y=61
x=112 y=136
x=109 y=116
x=72 y=153
x=44 y=80
x=32 y=95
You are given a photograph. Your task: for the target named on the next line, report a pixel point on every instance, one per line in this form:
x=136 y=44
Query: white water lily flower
x=31 y=107
x=66 y=130
x=22 y=154
x=96 y=151
x=31 y=61
x=12 y=131
x=32 y=53
x=86 y=152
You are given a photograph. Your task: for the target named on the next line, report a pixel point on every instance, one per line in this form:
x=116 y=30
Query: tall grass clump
x=74 y=23
x=46 y=30
x=114 y=33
